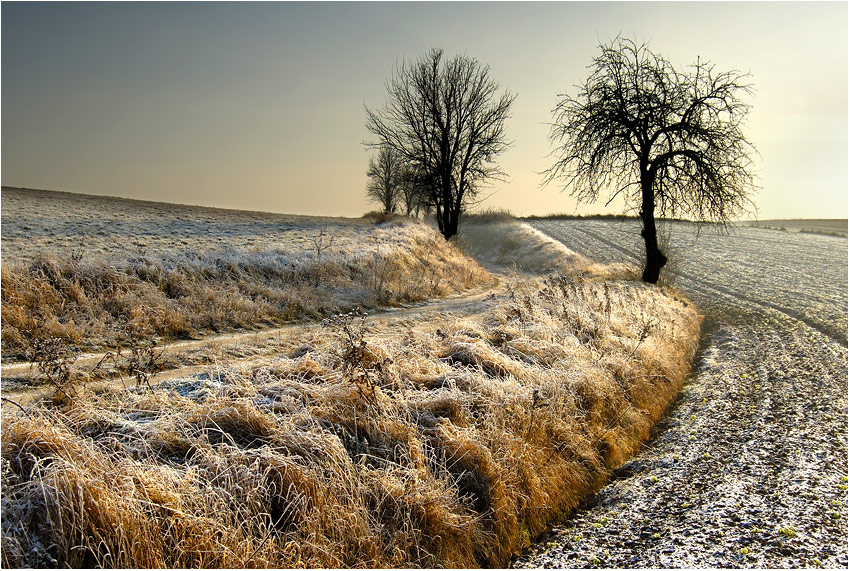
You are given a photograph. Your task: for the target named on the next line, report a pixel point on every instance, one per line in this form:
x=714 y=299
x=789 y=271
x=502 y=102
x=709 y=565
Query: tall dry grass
x=499 y=240
x=91 y=304
x=451 y=442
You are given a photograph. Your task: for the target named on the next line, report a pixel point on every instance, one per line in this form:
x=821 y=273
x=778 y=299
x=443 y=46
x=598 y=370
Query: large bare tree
x=385 y=178
x=446 y=119
x=669 y=142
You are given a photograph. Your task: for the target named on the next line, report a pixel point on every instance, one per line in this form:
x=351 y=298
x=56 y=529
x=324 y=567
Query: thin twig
x=10 y=401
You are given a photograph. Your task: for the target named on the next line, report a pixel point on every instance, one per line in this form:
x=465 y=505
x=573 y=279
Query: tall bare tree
x=668 y=141
x=446 y=119
x=385 y=179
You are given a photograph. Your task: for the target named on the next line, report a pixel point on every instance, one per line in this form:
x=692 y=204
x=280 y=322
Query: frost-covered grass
x=499 y=240
x=429 y=440
x=451 y=441
x=173 y=290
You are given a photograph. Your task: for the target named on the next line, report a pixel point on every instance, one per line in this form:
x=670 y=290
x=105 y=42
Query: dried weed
x=447 y=444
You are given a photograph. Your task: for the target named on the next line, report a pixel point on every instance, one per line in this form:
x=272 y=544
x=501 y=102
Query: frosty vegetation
x=93 y=302
x=431 y=440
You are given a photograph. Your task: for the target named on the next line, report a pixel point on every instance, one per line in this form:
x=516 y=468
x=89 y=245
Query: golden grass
x=92 y=304
x=479 y=434
x=497 y=239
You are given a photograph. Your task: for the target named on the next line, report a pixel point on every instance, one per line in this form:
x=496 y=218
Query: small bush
x=379 y=216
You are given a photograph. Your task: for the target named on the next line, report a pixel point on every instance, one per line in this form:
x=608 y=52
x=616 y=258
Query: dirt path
x=750 y=467
x=186 y=358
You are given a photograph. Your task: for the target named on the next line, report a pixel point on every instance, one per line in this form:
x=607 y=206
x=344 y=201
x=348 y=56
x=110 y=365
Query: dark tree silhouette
x=446 y=119
x=669 y=142
x=385 y=179
x=412 y=193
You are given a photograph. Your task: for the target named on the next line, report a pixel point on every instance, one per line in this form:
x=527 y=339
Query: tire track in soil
x=613 y=245
x=748 y=469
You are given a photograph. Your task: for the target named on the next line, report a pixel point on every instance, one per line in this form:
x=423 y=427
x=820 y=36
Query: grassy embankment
x=107 y=302
x=446 y=442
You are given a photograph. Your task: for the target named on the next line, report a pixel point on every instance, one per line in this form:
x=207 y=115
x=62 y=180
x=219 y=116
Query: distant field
x=62 y=223
x=826 y=226
x=800 y=274
x=829 y=227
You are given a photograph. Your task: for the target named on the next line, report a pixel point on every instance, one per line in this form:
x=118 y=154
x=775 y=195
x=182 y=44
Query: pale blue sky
x=260 y=106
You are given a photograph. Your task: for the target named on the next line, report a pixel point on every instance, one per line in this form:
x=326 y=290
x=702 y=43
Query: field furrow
x=750 y=466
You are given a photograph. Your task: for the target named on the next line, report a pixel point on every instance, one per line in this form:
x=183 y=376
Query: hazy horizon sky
x=259 y=106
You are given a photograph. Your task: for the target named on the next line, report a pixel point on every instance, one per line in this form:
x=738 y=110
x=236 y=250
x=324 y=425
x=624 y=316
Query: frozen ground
x=63 y=224
x=750 y=469
x=835 y=227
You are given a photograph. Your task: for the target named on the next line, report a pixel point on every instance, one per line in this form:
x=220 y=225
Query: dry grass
x=498 y=240
x=444 y=441
x=102 y=302
x=474 y=435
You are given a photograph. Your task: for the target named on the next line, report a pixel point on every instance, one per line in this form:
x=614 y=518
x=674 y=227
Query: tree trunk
x=448 y=223
x=447 y=214
x=655 y=259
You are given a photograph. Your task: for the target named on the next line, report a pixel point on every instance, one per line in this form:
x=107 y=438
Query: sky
x=260 y=106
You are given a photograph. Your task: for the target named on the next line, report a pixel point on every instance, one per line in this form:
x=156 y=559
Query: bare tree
x=667 y=141
x=413 y=194
x=446 y=119
x=385 y=174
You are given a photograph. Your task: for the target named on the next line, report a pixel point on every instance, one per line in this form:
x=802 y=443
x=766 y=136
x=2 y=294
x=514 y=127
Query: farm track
x=200 y=354
x=706 y=289
x=749 y=469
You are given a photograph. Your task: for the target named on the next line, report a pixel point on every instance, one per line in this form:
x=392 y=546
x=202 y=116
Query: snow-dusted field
x=831 y=227
x=750 y=469
x=800 y=274
x=61 y=223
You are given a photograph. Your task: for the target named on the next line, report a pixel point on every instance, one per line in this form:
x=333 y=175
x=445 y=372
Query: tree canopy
x=669 y=142
x=385 y=179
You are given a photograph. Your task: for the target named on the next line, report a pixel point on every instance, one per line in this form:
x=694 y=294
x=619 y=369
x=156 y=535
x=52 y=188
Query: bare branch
x=445 y=119
x=662 y=139
x=385 y=181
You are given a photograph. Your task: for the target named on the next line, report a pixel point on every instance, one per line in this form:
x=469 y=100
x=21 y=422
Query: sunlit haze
x=261 y=106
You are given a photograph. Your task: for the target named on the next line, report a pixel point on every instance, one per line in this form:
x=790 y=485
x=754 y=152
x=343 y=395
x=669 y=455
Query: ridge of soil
x=185 y=358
